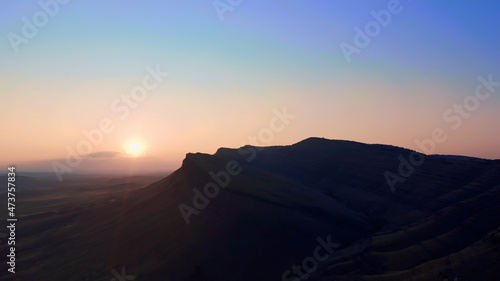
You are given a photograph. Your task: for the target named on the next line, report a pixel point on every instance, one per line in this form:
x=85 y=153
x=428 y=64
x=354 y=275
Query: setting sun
x=135 y=147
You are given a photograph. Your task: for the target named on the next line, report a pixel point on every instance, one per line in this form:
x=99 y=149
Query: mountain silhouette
x=252 y=213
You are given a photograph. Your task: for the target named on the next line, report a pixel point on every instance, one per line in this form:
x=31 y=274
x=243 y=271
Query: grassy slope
x=269 y=218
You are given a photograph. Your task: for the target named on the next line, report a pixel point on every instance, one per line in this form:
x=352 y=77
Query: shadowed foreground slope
x=443 y=221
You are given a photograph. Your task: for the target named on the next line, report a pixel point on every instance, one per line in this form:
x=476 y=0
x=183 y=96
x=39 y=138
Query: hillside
x=272 y=206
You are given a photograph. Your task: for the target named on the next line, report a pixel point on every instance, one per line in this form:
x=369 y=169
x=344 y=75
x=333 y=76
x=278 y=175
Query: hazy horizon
x=132 y=165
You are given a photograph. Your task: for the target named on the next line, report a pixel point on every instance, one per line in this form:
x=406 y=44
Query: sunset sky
x=229 y=74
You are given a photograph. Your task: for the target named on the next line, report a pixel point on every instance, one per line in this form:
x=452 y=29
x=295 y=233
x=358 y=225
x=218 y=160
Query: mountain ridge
x=272 y=206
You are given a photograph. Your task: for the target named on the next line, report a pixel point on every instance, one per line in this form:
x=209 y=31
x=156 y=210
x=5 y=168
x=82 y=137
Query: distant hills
x=253 y=213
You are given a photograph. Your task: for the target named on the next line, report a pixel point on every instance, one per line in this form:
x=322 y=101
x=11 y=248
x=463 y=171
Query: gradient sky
x=227 y=76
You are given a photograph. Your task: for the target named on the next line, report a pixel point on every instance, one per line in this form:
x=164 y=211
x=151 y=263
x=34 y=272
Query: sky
x=82 y=81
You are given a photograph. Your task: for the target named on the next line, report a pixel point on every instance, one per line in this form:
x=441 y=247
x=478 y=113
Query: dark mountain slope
x=271 y=214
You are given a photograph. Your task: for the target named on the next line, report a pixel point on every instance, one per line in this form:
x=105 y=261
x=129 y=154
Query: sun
x=135 y=147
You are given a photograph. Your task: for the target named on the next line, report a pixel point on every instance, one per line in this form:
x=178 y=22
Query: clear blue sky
x=262 y=55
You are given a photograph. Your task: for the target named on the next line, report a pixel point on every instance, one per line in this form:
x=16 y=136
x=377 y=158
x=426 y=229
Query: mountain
x=341 y=210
